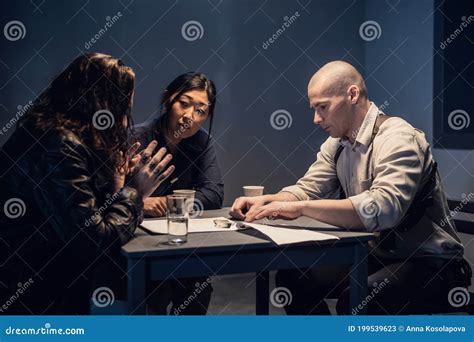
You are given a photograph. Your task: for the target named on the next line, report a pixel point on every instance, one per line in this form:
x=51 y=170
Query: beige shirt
x=381 y=179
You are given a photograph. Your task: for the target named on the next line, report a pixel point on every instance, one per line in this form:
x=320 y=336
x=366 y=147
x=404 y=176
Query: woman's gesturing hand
x=131 y=160
x=149 y=171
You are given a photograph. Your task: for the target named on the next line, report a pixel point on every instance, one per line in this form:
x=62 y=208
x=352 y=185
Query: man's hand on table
x=246 y=208
x=280 y=210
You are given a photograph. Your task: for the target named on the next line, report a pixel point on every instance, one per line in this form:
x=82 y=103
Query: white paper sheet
x=281 y=236
x=285 y=236
x=200 y=225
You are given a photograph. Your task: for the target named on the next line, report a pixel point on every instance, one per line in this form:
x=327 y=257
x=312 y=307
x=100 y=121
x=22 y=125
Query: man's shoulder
x=330 y=146
x=396 y=125
x=398 y=129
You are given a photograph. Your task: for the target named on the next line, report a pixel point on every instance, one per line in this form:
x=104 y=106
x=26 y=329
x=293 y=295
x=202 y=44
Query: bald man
x=374 y=173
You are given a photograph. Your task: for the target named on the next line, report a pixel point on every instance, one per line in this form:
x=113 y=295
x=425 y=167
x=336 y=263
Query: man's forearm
x=340 y=213
x=280 y=196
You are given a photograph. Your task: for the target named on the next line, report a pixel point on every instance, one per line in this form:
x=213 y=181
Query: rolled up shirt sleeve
x=320 y=181
x=398 y=171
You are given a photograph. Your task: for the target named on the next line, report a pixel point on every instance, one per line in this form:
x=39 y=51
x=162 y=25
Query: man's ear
x=354 y=93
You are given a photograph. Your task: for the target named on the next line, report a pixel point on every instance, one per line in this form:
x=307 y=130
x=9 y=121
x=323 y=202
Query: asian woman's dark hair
x=90 y=98
x=182 y=84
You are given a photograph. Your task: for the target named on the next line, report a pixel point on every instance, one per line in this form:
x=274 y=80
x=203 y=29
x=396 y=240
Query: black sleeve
x=76 y=215
x=208 y=180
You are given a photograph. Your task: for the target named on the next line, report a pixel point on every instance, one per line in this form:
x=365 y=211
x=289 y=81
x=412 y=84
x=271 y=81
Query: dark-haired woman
x=66 y=207
x=187 y=103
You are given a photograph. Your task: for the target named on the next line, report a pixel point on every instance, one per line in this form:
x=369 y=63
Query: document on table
x=199 y=225
x=286 y=236
x=281 y=236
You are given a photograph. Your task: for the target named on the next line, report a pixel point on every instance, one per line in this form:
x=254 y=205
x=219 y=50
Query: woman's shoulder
x=200 y=141
x=201 y=137
x=47 y=140
x=65 y=143
x=62 y=137
x=40 y=152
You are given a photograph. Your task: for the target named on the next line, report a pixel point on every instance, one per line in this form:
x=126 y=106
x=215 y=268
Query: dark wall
x=254 y=76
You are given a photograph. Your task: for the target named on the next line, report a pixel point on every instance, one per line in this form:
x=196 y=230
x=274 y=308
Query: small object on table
x=220 y=223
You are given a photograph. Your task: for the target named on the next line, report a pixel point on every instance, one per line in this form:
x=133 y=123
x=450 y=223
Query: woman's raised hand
x=149 y=171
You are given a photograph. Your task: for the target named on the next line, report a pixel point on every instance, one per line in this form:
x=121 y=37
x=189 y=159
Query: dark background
x=406 y=72
x=253 y=82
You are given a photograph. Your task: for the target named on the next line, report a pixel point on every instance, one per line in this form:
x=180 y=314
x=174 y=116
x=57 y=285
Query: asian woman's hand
x=155 y=206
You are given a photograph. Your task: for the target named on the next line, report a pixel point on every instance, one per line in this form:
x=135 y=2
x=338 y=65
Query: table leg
x=358 y=280
x=263 y=295
x=136 y=286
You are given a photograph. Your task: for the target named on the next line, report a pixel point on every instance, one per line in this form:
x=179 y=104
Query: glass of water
x=177 y=215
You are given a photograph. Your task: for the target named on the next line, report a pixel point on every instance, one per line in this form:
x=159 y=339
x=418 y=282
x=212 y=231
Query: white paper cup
x=189 y=194
x=253 y=190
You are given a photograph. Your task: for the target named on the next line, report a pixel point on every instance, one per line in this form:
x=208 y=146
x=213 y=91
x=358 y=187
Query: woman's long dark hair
x=90 y=98
x=182 y=84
